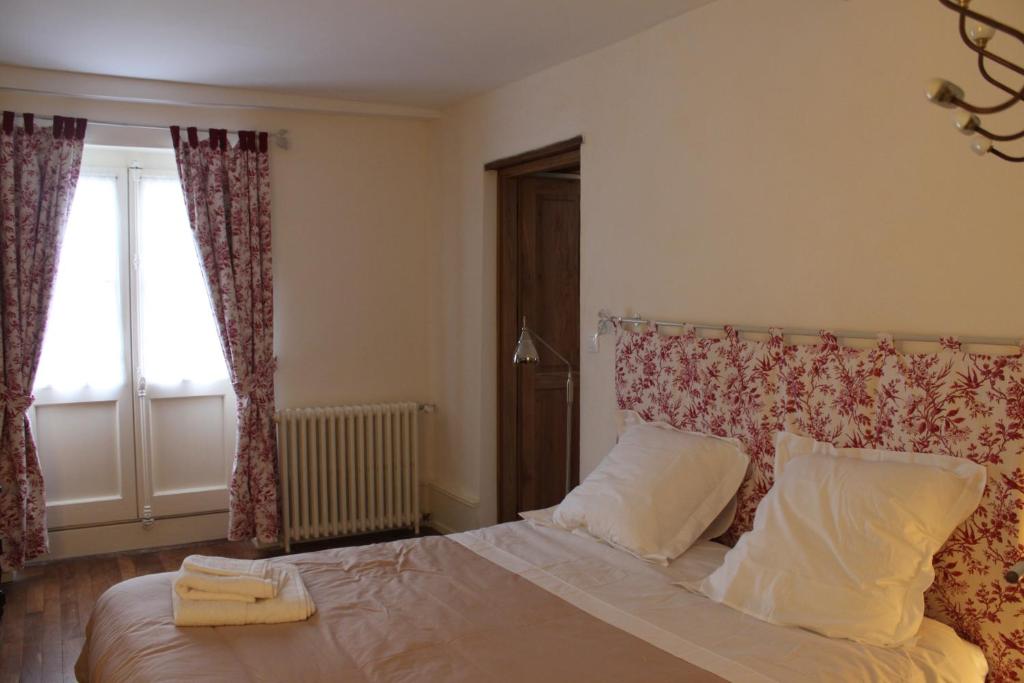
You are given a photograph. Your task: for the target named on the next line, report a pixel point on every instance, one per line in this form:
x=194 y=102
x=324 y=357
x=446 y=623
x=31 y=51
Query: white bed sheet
x=639 y=597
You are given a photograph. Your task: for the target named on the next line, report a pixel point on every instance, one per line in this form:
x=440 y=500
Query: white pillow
x=721 y=523
x=656 y=491
x=842 y=544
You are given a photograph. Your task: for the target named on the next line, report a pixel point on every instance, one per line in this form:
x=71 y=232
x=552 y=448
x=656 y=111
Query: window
x=179 y=335
x=83 y=344
x=134 y=414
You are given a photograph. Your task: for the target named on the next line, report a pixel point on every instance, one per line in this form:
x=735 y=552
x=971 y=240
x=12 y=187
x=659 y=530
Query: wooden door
x=549 y=297
x=539 y=278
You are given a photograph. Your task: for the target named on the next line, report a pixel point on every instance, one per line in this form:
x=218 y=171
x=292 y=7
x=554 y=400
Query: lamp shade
x=526 y=351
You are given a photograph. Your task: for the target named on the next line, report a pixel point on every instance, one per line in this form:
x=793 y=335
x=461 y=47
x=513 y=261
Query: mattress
x=506 y=603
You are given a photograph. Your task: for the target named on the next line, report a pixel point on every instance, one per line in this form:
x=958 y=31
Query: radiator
x=348 y=470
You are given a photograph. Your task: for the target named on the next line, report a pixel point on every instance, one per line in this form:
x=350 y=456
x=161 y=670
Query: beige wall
x=750 y=162
x=354 y=231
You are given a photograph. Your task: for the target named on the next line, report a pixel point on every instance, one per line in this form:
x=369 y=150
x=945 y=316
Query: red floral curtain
x=38 y=174
x=227 y=192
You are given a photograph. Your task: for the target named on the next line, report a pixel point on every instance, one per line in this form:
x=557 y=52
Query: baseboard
x=441 y=528
x=451 y=512
x=115 y=538
x=466 y=501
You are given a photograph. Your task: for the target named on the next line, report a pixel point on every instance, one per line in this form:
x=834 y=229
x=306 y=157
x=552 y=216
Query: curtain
x=227 y=193
x=38 y=173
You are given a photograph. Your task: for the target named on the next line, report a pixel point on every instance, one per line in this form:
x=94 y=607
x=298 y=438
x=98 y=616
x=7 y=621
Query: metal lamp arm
x=552 y=349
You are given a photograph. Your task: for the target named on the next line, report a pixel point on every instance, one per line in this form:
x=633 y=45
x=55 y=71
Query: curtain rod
x=280 y=138
x=606 y=319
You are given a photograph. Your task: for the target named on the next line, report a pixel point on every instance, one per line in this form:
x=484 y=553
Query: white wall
x=354 y=227
x=750 y=162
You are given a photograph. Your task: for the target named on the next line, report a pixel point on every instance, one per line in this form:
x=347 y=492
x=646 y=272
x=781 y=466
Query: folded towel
x=193 y=594
x=292 y=603
x=226 y=566
x=198 y=586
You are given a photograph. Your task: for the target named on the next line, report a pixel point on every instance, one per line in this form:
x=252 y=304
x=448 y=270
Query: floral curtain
x=38 y=174
x=950 y=401
x=227 y=193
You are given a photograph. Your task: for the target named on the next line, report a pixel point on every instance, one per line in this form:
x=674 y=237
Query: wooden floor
x=48 y=605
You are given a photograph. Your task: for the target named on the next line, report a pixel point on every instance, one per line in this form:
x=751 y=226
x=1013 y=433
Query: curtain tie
x=258 y=387
x=15 y=402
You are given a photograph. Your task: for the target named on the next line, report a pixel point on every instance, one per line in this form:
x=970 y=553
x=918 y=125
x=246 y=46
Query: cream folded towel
x=226 y=566
x=292 y=603
x=193 y=585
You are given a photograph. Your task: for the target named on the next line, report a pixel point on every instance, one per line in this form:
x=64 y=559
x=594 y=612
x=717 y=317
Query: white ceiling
x=415 y=52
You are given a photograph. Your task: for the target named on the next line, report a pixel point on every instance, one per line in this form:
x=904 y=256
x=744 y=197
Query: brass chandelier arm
x=983 y=52
x=1017 y=95
x=988 y=21
x=967 y=106
x=949 y=95
x=996 y=137
x=992 y=79
x=1006 y=157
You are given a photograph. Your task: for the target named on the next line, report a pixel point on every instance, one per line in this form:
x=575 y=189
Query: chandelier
x=977 y=31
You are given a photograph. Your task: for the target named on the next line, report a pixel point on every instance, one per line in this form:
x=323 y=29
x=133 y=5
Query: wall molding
x=47 y=82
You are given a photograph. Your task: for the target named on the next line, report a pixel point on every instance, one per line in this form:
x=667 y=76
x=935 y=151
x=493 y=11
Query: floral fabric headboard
x=950 y=402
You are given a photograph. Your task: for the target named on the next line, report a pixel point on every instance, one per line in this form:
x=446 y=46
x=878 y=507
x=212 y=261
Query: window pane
x=179 y=334
x=83 y=344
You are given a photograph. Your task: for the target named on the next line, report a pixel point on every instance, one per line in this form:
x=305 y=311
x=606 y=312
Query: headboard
x=949 y=401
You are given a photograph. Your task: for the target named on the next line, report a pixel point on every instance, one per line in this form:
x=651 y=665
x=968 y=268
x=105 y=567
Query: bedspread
x=420 y=610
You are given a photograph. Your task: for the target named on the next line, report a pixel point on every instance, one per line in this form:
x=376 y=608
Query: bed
x=528 y=601
x=512 y=602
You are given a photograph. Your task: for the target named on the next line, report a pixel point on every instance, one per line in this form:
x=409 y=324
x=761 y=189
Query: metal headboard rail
x=606 y=321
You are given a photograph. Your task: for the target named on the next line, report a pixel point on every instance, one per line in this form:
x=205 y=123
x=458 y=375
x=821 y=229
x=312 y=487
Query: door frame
x=510 y=170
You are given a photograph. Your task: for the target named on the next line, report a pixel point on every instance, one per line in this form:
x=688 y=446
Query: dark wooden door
x=544 y=254
x=549 y=297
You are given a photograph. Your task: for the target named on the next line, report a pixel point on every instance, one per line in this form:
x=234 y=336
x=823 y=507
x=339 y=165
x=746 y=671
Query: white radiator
x=348 y=470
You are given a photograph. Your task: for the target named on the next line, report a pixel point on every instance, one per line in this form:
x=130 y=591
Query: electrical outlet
x=594 y=344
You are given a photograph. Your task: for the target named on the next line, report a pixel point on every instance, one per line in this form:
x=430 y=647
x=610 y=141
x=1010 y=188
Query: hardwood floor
x=48 y=605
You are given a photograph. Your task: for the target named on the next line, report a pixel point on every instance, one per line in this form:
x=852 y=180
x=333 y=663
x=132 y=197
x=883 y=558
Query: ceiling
x=414 y=52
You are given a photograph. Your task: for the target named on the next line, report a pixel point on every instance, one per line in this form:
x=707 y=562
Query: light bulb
x=966 y=122
x=943 y=93
x=980 y=34
x=981 y=146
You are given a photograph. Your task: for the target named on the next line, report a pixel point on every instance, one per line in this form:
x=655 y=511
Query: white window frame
x=138 y=499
